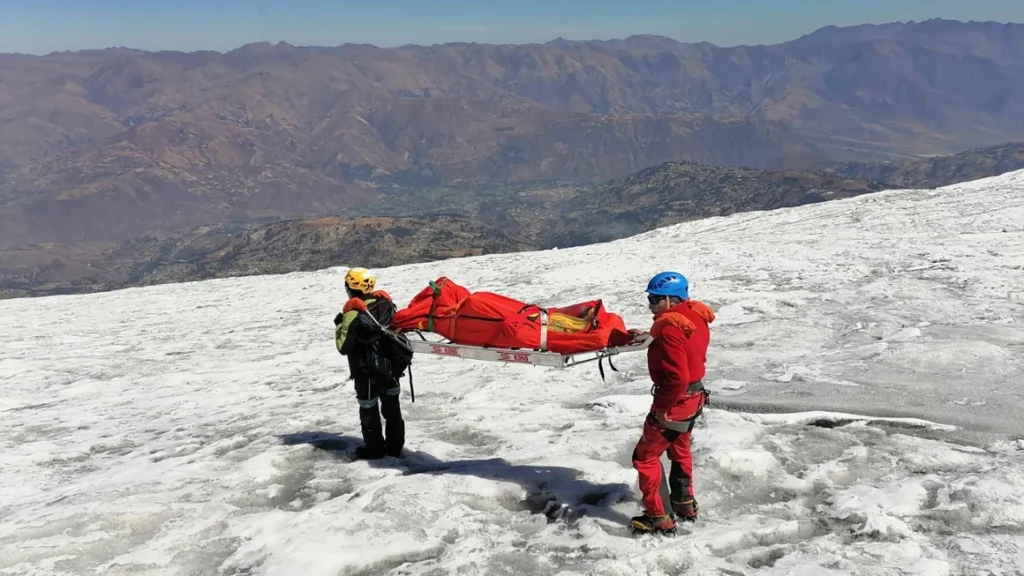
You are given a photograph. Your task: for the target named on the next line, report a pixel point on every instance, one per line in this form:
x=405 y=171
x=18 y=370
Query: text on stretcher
x=446 y=350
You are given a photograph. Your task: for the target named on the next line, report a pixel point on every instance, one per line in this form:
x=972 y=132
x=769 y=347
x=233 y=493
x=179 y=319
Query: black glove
x=338 y=318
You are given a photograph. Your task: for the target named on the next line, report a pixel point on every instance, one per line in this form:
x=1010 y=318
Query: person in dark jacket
x=357 y=335
x=675 y=361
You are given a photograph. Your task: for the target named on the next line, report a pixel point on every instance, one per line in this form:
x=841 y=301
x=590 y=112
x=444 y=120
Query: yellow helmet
x=360 y=280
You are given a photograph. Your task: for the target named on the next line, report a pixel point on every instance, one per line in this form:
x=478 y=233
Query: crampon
x=648 y=524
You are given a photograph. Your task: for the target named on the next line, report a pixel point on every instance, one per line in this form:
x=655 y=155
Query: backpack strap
x=412 y=391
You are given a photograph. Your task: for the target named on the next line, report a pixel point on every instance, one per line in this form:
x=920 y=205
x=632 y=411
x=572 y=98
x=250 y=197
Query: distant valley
x=442 y=223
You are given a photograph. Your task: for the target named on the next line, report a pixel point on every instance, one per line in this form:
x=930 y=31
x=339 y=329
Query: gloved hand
x=337 y=319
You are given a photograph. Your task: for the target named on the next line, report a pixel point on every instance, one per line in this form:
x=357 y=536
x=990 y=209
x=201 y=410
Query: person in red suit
x=675 y=361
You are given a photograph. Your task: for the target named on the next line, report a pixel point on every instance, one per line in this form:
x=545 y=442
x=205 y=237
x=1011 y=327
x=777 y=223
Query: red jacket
x=676 y=357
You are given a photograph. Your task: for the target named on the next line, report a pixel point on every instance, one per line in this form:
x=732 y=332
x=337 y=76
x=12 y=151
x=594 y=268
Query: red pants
x=647 y=461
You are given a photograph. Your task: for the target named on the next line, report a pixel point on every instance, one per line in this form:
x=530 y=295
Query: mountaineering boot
x=394 y=427
x=653 y=524
x=686 y=510
x=373 y=438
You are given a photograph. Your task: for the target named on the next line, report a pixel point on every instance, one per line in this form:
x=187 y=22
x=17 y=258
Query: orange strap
x=355 y=304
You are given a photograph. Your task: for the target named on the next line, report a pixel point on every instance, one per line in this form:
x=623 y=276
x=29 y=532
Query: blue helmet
x=669 y=284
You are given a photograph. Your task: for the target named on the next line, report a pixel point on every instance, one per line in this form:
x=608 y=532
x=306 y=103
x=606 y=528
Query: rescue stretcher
x=534 y=357
x=492 y=327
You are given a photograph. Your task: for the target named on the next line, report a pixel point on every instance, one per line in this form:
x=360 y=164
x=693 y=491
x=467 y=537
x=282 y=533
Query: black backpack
x=394 y=354
x=391 y=354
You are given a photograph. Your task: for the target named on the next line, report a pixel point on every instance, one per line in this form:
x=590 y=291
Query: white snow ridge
x=866 y=370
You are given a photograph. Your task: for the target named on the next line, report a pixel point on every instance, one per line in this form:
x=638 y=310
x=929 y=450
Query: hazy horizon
x=47 y=26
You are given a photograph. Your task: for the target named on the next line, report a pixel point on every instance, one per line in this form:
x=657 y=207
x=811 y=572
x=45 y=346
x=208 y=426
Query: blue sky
x=41 y=26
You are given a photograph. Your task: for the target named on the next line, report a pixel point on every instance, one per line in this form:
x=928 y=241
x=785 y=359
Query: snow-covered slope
x=205 y=428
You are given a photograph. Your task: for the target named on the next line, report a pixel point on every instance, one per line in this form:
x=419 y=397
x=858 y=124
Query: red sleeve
x=676 y=370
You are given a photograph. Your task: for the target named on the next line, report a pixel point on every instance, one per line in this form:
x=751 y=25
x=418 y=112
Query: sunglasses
x=653 y=299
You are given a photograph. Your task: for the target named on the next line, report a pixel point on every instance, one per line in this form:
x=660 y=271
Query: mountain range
x=118 y=153
x=105 y=145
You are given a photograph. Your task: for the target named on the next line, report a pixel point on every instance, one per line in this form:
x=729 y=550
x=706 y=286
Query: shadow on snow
x=555 y=491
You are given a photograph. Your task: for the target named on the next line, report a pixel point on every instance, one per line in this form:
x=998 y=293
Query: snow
x=867 y=415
